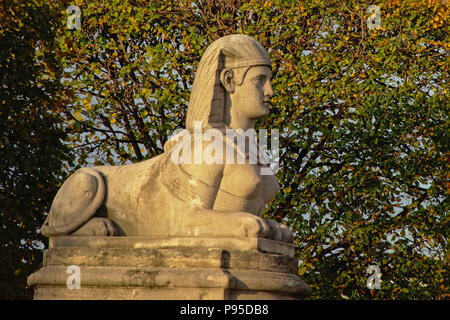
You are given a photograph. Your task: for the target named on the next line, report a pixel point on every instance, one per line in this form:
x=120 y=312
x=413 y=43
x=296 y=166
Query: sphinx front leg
x=232 y=224
x=280 y=232
x=205 y=222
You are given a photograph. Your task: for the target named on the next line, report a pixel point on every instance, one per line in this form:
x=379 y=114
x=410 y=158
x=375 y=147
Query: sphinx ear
x=227 y=79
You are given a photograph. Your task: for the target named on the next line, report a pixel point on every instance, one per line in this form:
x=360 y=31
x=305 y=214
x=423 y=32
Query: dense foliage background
x=32 y=153
x=363 y=115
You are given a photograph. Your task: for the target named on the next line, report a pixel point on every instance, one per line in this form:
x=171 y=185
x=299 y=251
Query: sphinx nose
x=268 y=90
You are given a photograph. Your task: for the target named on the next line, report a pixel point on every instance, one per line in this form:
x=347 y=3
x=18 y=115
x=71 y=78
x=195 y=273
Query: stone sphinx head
x=232 y=86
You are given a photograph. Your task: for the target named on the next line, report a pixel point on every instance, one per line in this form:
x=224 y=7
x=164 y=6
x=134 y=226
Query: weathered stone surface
x=166 y=252
x=171 y=258
x=51 y=293
x=174 y=278
x=115 y=268
x=244 y=244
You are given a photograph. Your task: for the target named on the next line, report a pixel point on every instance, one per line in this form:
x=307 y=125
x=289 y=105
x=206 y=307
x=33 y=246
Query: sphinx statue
x=161 y=198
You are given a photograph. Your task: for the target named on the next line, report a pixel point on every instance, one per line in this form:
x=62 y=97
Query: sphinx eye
x=259 y=80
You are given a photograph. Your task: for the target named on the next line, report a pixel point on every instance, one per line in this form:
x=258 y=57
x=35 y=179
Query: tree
x=31 y=144
x=362 y=111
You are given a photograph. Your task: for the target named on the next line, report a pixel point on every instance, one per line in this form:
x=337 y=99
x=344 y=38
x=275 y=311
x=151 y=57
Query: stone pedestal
x=169 y=269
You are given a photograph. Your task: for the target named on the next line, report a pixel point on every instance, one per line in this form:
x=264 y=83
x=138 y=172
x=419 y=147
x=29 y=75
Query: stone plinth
x=169 y=268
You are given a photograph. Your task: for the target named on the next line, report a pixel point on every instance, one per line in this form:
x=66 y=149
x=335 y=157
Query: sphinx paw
x=288 y=235
x=255 y=226
x=279 y=232
x=97 y=227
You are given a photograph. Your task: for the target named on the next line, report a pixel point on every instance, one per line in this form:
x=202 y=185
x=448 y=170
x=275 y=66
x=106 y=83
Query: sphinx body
x=160 y=198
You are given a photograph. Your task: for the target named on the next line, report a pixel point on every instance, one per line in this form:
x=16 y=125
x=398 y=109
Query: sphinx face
x=251 y=99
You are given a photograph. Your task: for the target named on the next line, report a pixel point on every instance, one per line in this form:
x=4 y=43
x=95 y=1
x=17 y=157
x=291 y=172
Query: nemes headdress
x=207 y=98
